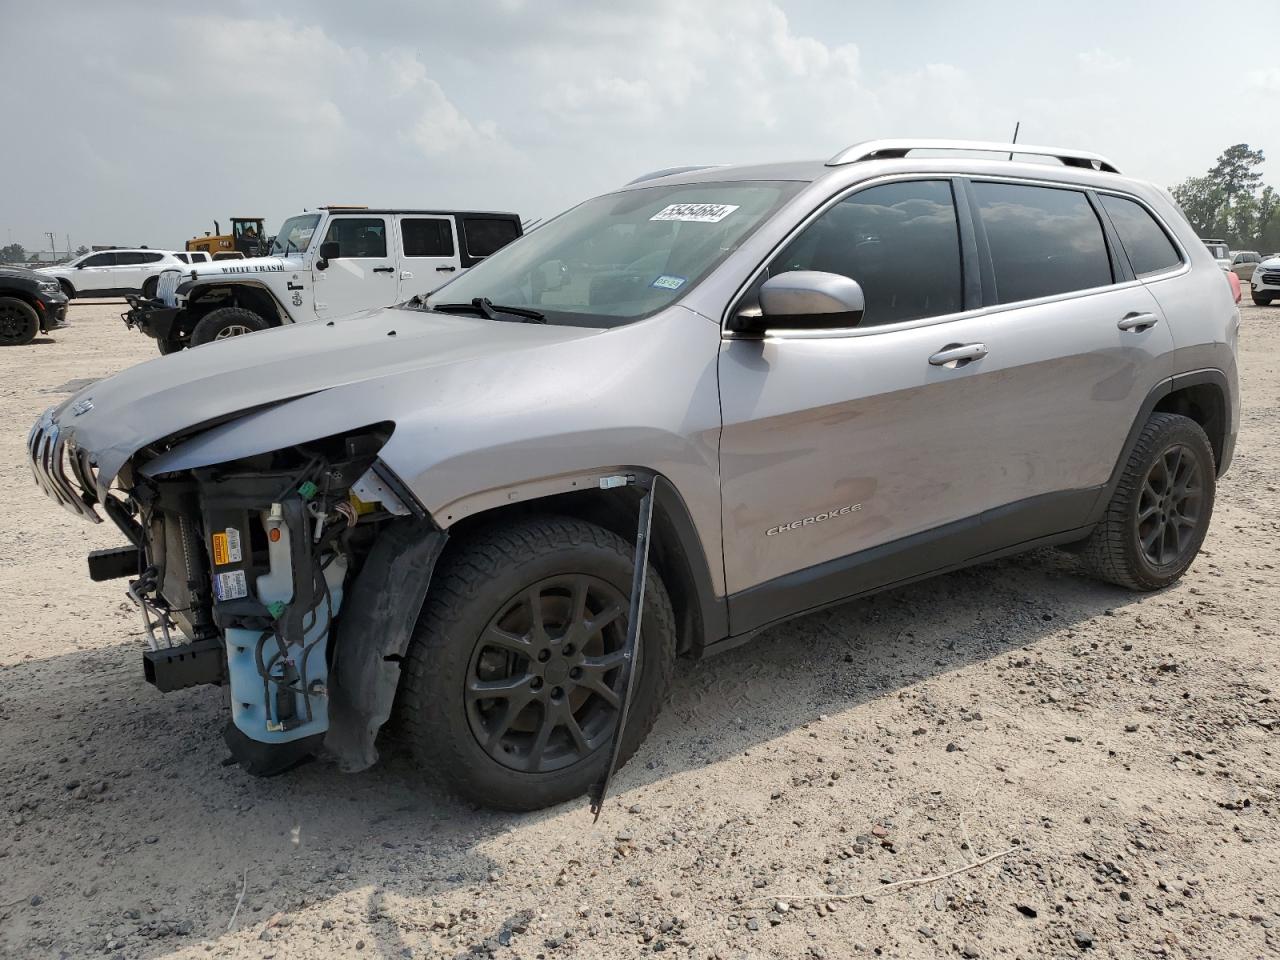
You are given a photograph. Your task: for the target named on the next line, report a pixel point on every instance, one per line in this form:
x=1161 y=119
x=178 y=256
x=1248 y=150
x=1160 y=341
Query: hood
x=251 y=265
x=114 y=418
x=21 y=273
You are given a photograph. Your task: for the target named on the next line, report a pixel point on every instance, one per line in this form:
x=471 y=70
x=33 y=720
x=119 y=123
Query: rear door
x=363 y=274
x=428 y=252
x=1076 y=342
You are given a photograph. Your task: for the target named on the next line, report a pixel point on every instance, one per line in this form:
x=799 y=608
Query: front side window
x=488 y=235
x=358 y=237
x=295 y=234
x=622 y=256
x=426 y=237
x=900 y=241
x=1044 y=240
x=1148 y=247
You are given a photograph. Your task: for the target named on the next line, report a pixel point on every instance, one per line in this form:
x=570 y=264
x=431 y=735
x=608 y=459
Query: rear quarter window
x=1148 y=247
x=488 y=235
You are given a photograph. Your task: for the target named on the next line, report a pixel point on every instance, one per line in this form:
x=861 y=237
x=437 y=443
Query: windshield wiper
x=487 y=308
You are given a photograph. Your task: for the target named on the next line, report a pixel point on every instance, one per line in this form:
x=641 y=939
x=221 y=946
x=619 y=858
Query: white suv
x=113 y=273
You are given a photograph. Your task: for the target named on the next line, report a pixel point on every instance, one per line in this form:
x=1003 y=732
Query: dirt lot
x=1115 y=759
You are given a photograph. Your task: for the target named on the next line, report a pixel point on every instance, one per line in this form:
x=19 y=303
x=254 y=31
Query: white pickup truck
x=329 y=263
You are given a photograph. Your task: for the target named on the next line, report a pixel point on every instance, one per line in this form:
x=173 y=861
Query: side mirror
x=329 y=250
x=805 y=300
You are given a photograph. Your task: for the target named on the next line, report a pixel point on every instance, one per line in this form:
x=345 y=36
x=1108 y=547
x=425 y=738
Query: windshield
x=622 y=256
x=295 y=234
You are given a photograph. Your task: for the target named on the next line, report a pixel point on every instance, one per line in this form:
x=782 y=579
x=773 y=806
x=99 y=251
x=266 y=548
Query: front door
x=96 y=272
x=428 y=253
x=362 y=275
x=840 y=442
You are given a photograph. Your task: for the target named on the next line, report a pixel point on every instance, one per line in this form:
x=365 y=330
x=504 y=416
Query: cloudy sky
x=132 y=122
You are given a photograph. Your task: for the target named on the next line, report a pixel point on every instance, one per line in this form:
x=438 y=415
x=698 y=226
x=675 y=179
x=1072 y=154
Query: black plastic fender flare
x=374 y=628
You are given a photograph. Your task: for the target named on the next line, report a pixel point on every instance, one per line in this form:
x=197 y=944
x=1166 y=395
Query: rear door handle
x=1137 y=321
x=384 y=269
x=446 y=269
x=958 y=354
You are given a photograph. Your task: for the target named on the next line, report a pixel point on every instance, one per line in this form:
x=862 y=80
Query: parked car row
x=675 y=415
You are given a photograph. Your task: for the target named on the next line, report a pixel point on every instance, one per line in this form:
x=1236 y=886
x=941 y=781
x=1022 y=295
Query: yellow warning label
x=221 y=554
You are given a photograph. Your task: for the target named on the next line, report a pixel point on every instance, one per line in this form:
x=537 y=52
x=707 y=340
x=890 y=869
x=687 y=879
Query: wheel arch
x=1201 y=395
x=248 y=294
x=676 y=550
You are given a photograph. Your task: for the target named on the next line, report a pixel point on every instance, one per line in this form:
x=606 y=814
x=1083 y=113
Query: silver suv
x=786 y=385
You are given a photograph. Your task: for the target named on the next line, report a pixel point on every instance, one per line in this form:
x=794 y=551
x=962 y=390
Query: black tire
x=167 y=347
x=1261 y=299
x=67 y=288
x=19 y=322
x=226 y=322
x=491 y=576
x=1151 y=531
x=149 y=287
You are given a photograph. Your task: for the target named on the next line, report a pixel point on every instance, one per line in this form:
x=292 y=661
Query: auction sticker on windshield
x=668 y=282
x=695 y=212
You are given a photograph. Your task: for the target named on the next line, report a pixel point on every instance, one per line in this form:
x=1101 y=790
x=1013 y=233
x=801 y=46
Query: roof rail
x=670 y=172
x=894 y=149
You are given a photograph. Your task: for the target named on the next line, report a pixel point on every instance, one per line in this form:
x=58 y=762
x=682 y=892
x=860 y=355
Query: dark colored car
x=29 y=304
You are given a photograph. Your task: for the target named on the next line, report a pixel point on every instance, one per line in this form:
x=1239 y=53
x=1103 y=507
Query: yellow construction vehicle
x=246 y=239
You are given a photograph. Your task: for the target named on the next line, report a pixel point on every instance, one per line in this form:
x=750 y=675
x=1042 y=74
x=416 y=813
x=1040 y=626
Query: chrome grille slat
x=49 y=450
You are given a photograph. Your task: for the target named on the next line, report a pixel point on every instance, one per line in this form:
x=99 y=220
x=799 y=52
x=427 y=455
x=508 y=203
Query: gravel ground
x=1108 y=762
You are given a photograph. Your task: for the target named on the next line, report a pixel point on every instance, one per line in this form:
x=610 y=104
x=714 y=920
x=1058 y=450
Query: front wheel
x=1261 y=299
x=226 y=322
x=1160 y=511
x=513 y=680
x=19 y=323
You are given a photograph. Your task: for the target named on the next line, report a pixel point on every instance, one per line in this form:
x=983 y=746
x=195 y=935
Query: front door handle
x=1137 y=321
x=384 y=269
x=445 y=269
x=958 y=354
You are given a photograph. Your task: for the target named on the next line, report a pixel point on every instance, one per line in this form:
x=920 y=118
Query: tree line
x=1231 y=203
x=17 y=253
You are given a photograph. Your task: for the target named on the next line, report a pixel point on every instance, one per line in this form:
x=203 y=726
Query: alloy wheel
x=544 y=682
x=232 y=330
x=1170 y=506
x=14 y=324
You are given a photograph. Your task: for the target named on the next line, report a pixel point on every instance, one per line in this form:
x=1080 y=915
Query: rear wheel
x=166 y=346
x=149 y=287
x=67 y=288
x=512 y=683
x=1159 y=514
x=226 y=322
x=19 y=322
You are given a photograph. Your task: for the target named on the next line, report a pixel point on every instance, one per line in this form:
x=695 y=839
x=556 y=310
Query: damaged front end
x=242 y=571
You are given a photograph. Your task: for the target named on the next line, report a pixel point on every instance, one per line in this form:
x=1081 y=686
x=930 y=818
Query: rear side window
x=100 y=260
x=900 y=241
x=486 y=235
x=1149 y=248
x=1043 y=240
x=359 y=236
x=149 y=257
x=426 y=237
x=183 y=257
x=128 y=259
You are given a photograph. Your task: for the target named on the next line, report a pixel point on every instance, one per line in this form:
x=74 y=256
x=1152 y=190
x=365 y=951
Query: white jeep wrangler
x=330 y=263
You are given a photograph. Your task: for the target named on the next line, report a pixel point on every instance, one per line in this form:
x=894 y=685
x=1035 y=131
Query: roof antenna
x=1016 y=127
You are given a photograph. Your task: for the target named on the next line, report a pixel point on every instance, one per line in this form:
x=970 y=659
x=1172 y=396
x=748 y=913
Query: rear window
x=1044 y=240
x=1149 y=248
x=486 y=235
x=426 y=237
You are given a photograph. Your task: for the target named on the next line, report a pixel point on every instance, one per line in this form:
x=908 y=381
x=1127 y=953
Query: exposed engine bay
x=240 y=572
